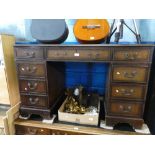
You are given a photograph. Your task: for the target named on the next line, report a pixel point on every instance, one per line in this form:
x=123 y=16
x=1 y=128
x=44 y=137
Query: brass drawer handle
x=125 y=109
x=41 y=130
x=30 y=54
x=33 y=101
x=127 y=92
x=90 y=55
x=130 y=56
x=32 y=131
x=130 y=75
x=31 y=69
x=32 y=86
x=97 y=55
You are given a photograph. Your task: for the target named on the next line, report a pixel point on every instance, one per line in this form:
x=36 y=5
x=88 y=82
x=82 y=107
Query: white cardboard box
x=87 y=119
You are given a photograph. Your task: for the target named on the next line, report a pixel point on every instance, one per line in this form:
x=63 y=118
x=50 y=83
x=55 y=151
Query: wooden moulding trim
x=12 y=114
x=72 y=128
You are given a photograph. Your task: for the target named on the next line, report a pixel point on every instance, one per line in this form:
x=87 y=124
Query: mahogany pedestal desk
x=41 y=74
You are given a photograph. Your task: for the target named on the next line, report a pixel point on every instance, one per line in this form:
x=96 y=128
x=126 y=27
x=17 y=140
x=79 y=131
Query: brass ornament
x=77 y=101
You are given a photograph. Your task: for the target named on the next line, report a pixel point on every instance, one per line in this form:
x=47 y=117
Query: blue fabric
x=91 y=75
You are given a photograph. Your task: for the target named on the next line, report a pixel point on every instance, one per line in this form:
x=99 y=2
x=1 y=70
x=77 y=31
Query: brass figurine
x=79 y=101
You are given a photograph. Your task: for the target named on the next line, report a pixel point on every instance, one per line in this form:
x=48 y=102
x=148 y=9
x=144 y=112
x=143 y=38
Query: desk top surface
x=84 y=45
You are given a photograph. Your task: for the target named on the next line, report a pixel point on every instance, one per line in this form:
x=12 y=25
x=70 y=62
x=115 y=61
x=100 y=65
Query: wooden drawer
x=26 y=130
x=95 y=54
x=79 y=54
x=130 y=74
x=29 y=52
x=133 y=109
x=132 y=54
x=32 y=86
x=128 y=91
x=60 y=54
x=63 y=132
x=31 y=69
x=34 y=101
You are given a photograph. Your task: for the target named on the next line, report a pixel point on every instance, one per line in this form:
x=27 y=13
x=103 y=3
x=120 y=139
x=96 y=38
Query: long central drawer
x=79 y=54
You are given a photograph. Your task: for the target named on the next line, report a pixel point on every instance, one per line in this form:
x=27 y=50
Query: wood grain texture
x=136 y=54
x=4 y=94
x=12 y=114
x=126 y=74
x=130 y=73
x=128 y=91
x=8 y=42
x=70 y=128
x=33 y=52
x=127 y=109
x=33 y=86
x=34 y=101
x=6 y=127
x=31 y=69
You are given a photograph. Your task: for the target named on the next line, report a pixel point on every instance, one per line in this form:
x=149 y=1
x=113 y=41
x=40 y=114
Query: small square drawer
x=132 y=54
x=34 y=101
x=32 y=86
x=26 y=130
x=128 y=109
x=130 y=74
x=29 y=52
x=31 y=69
x=128 y=91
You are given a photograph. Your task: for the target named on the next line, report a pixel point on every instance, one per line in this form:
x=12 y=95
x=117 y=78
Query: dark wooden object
x=29 y=127
x=41 y=77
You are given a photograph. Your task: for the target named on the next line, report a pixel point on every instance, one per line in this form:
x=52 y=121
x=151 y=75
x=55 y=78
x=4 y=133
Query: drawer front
x=29 y=52
x=128 y=91
x=63 y=132
x=132 y=54
x=25 y=130
x=32 y=86
x=95 y=54
x=29 y=69
x=130 y=74
x=79 y=54
x=59 y=54
x=126 y=109
x=34 y=101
